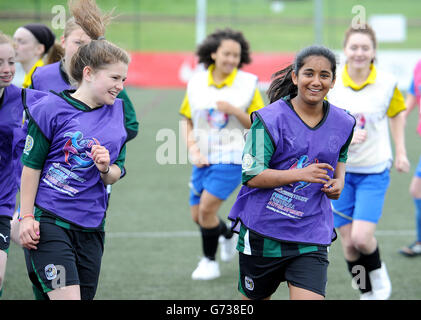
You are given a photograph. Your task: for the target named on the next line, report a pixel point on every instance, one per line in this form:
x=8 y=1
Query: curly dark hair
x=213 y=41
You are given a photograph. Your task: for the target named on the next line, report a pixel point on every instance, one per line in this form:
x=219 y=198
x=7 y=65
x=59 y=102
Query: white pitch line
x=157 y=234
x=395 y=233
x=190 y=234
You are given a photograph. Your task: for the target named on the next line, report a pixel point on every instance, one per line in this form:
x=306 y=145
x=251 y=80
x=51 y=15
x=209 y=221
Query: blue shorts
x=219 y=180
x=418 y=170
x=361 y=199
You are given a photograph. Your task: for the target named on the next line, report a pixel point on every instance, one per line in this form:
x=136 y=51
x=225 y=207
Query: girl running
x=11 y=111
x=293 y=164
x=216 y=110
x=55 y=76
x=373 y=98
x=75 y=147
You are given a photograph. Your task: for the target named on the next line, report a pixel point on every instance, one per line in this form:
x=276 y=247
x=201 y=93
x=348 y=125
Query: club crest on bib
x=77 y=151
x=360 y=121
x=217 y=119
x=249 y=283
x=50 y=271
x=29 y=144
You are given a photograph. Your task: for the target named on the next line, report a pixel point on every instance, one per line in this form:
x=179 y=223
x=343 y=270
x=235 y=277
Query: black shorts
x=261 y=276
x=64 y=258
x=4 y=233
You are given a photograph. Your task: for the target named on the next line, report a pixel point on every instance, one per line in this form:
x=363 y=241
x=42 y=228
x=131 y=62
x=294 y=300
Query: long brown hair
x=89 y=17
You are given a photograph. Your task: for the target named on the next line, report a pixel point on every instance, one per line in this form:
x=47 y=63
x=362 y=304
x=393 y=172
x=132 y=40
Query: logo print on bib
x=217 y=119
x=299 y=164
x=77 y=151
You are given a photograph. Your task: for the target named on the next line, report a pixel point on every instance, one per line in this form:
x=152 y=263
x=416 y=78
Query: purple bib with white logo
x=70 y=185
x=299 y=212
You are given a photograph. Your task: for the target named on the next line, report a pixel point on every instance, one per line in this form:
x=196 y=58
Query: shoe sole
x=410 y=255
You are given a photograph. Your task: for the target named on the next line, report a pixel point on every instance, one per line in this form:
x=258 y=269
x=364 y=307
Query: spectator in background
x=35 y=41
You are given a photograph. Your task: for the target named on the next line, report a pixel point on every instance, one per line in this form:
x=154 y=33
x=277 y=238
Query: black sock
x=210 y=241
x=372 y=261
x=360 y=270
x=224 y=230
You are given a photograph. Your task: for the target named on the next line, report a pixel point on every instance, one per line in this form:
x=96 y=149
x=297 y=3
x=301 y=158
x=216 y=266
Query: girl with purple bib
x=55 y=76
x=293 y=164
x=11 y=111
x=75 y=147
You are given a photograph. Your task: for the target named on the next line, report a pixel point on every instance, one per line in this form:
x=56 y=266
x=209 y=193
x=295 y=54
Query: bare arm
x=196 y=157
x=29 y=227
x=410 y=102
x=112 y=176
x=397 y=129
x=242 y=116
x=271 y=178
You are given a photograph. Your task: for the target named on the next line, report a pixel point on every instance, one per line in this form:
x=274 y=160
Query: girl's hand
x=360 y=135
x=198 y=159
x=316 y=173
x=29 y=233
x=101 y=157
x=333 y=188
x=226 y=107
x=402 y=163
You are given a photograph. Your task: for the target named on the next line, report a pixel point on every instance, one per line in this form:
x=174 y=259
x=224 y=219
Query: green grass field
x=152 y=246
x=169 y=25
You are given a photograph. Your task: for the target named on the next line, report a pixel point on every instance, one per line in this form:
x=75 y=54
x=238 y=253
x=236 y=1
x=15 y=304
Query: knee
x=349 y=249
x=205 y=212
x=362 y=243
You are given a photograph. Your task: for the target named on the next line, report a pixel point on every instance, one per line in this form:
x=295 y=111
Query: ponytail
x=89 y=17
x=282 y=85
x=55 y=53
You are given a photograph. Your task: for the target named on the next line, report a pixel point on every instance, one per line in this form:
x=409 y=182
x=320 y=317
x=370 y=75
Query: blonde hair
x=4 y=38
